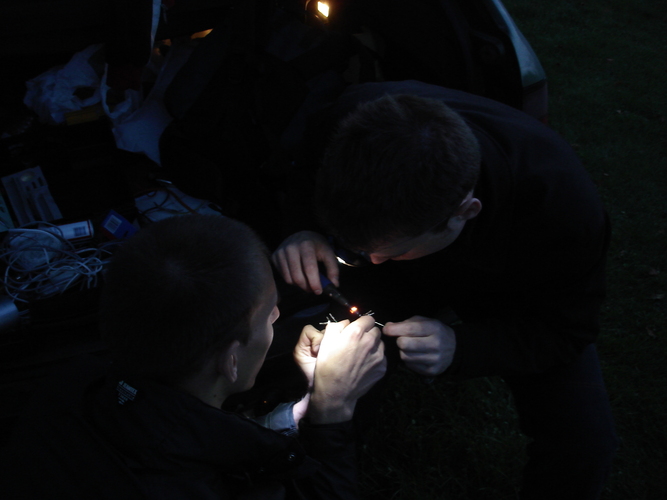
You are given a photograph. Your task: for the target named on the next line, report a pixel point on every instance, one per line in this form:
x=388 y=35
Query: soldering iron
x=330 y=289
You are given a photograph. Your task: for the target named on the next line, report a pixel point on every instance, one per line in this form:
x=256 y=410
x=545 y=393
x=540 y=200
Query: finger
x=378 y=363
x=275 y=260
x=361 y=326
x=304 y=340
x=309 y=336
x=309 y=342
x=316 y=341
x=310 y=268
x=408 y=328
x=328 y=257
x=336 y=328
x=375 y=334
x=333 y=336
x=418 y=344
x=280 y=260
x=415 y=356
x=293 y=260
x=311 y=332
x=378 y=347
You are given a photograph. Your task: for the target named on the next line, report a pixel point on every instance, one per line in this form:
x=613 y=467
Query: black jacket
x=75 y=440
x=182 y=448
x=526 y=276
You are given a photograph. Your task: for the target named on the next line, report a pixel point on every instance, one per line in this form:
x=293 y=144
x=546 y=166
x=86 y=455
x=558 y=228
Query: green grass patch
x=605 y=60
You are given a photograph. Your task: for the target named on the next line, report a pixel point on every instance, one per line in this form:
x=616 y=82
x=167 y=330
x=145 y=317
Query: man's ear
x=469 y=210
x=227 y=361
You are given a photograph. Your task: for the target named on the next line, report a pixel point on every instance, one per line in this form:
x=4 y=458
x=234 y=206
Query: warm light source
x=200 y=34
x=354 y=309
x=323 y=8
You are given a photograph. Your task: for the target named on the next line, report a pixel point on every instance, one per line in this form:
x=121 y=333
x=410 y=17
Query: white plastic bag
x=53 y=93
x=137 y=126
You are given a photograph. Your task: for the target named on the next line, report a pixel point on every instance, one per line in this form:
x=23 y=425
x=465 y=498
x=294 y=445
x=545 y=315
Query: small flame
x=323 y=8
x=354 y=309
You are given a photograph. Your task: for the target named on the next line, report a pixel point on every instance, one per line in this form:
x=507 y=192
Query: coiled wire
x=39 y=263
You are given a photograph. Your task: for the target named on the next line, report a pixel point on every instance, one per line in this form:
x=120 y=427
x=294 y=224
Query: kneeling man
x=188 y=309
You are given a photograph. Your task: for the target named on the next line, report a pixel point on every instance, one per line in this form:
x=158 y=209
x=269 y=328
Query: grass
x=605 y=62
x=434 y=450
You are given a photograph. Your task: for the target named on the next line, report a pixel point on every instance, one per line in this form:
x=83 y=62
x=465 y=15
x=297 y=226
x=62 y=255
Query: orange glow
x=353 y=309
x=323 y=8
x=200 y=34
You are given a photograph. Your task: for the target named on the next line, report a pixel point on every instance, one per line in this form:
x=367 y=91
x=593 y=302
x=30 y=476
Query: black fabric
x=425 y=40
x=55 y=452
x=526 y=277
x=566 y=414
x=77 y=441
x=242 y=101
x=240 y=105
x=179 y=447
x=330 y=445
x=168 y=433
x=526 y=282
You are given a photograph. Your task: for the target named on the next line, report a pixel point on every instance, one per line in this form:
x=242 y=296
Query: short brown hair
x=178 y=290
x=395 y=167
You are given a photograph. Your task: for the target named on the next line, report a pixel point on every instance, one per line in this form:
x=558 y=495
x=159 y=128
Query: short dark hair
x=394 y=168
x=178 y=290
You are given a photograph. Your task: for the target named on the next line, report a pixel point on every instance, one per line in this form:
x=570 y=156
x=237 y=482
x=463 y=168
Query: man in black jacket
x=473 y=207
x=188 y=309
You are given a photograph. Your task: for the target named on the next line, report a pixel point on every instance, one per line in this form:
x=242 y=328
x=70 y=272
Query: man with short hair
x=474 y=207
x=188 y=309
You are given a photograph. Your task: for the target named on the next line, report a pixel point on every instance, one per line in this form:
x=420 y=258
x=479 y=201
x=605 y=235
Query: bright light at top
x=323 y=8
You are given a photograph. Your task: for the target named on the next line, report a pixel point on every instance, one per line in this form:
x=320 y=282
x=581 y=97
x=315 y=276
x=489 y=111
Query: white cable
x=40 y=263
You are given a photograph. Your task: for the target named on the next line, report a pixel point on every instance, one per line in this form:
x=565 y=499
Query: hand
x=306 y=350
x=296 y=259
x=427 y=345
x=349 y=362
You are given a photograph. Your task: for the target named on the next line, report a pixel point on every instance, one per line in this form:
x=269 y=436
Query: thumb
x=403 y=329
x=392 y=329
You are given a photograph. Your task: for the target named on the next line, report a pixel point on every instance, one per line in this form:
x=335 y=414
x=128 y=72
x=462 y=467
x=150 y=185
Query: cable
x=40 y=263
x=170 y=202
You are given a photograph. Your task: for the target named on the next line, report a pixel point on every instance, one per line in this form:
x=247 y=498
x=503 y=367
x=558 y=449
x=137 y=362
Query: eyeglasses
x=348 y=257
x=361 y=259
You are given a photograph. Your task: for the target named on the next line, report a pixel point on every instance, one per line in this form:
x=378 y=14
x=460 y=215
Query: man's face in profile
x=252 y=354
x=430 y=241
